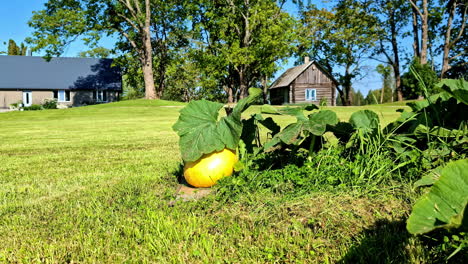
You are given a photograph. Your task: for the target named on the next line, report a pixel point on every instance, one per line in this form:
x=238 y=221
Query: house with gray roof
x=306 y=83
x=71 y=81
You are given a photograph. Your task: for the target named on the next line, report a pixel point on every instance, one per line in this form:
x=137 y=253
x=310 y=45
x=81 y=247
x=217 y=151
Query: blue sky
x=14 y=16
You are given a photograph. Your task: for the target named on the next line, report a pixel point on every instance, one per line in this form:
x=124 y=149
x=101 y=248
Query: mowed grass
x=93 y=184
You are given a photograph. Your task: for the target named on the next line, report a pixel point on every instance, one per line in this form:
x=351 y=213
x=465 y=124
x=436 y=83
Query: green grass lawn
x=93 y=184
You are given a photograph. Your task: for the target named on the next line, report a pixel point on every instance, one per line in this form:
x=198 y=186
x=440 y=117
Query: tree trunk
x=424 y=28
x=424 y=35
x=147 y=60
x=342 y=96
x=230 y=94
x=265 y=89
x=243 y=86
x=445 y=58
x=396 y=71
x=396 y=63
x=382 y=93
x=349 y=97
x=347 y=88
x=416 y=48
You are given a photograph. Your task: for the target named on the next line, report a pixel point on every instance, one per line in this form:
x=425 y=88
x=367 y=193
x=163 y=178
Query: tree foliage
x=340 y=39
x=97 y=52
x=14 y=49
x=238 y=42
x=392 y=16
x=413 y=87
x=134 y=22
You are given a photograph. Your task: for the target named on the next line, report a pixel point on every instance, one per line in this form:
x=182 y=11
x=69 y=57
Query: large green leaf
x=249 y=129
x=444 y=205
x=422 y=131
x=457 y=88
x=291 y=133
x=429 y=179
x=201 y=132
x=365 y=120
x=269 y=123
x=198 y=129
x=318 y=122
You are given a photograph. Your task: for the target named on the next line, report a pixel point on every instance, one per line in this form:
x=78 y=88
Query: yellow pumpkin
x=207 y=170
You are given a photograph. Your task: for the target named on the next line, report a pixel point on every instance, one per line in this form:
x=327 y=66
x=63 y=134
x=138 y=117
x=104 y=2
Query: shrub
x=412 y=87
x=32 y=107
x=49 y=104
x=16 y=105
x=323 y=101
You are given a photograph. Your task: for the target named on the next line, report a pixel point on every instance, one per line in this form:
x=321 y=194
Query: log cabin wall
x=313 y=78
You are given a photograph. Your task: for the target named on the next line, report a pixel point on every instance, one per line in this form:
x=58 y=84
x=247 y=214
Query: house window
x=62 y=95
x=100 y=96
x=311 y=94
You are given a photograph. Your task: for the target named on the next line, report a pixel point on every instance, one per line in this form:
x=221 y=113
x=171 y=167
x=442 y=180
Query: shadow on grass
x=383 y=243
x=179 y=174
x=390 y=242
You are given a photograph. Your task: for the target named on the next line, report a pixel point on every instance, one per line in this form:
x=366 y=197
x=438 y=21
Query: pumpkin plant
x=207 y=142
x=444 y=206
x=305 y=131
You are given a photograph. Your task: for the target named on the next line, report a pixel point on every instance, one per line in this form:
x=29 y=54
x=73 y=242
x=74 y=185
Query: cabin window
x=100 y=96
x=62 y=95
x=311 y=94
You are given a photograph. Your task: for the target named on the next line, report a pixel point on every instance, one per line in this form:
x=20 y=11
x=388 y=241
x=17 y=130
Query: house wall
x=77 y=98
x=313 y=78
x=10 y=97
x=38 y=97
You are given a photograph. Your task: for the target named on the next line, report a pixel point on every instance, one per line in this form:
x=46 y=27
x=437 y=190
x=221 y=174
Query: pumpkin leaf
x=430 y=178
x=202 y=132
x=273 y=144
x=318 y=122
x=457 y=88
x=365 y=120
x=445 y=204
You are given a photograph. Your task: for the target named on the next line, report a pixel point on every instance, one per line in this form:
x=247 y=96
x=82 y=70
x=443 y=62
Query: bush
x=16 y=105
x=32 y=107
x=323 y=101
x=49 y=104
x=412 y=88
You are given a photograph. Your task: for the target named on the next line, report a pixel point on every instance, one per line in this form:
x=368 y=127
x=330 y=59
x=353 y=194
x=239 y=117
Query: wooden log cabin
x=306 y=83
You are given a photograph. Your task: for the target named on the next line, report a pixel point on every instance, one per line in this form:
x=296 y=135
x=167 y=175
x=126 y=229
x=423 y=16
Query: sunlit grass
x=93 y=184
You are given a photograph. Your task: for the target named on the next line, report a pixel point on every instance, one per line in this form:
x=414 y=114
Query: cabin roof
x=292 y=73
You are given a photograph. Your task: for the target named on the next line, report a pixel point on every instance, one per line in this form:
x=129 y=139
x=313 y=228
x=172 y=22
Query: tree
x=64 y=21
x=393 y=18
x=170 y=38
x=412 y=86
x=13 y=49
x=340 y=40
x=98 y=52
x=453 y=8
x=240 y=41
x=420 y=11
x=386 y=93
x=358 y=98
